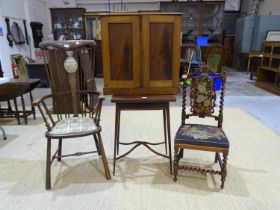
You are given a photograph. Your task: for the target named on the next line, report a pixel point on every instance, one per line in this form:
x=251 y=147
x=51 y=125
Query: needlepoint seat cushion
x=201 y=135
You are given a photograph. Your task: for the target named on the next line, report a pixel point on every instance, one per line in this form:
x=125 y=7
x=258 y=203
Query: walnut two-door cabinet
x=141 y=53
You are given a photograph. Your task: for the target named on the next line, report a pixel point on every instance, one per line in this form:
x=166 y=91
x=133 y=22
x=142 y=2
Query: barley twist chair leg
x=224 y=171
x=104 y=159
x=59 y=149
x=48 y=165
x=176 y=164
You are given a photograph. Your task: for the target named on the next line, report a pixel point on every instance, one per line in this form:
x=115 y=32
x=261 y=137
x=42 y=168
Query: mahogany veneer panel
x=121 y=51
x=161 y=35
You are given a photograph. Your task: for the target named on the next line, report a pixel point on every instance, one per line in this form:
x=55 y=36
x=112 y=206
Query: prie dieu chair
x=201 y=136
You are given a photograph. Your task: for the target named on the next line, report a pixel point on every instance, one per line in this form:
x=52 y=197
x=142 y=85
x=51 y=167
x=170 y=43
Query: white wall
x=269 y=7
x=266 y=7
x=62 y=3
x=30 y=10
x=115 y=5
x=11 y=8
x=38 y=11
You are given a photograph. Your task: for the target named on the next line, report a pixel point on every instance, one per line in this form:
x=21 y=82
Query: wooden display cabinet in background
x=141 y=53
x=68 y=23
x=200 y=18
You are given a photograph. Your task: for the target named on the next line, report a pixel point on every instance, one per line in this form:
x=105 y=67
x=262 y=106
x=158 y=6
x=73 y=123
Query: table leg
x=116 y=141
x=118 y=130
x=10 y=110
x=164 y=128
x=169 y=137
x=16 y=111
x=32 y=107
x=248 y=64
x=23 y=110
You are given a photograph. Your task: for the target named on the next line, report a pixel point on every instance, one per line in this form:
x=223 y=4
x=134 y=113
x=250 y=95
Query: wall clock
x=232 y=5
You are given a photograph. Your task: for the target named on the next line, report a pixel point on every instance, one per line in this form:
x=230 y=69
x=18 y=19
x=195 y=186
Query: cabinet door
x=161 y=50
x=120 y=50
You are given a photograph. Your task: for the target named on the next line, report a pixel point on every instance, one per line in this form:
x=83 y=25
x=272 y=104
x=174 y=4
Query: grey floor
x=241 y=92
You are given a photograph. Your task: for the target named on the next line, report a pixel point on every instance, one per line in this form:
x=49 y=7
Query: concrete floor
x=241 y=92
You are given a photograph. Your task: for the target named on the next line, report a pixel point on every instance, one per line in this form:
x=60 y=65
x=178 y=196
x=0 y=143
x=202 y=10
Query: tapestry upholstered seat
x=200 y=136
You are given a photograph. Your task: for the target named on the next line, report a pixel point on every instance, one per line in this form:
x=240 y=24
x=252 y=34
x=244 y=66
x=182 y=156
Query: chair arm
x=40 y=100
x=98 y=109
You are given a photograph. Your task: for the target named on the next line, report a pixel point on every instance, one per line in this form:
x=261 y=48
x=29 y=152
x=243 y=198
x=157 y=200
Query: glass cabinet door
x=76 y=26
x=191 y=23
x=59 y=26
x=68 y=23
x=213 y=21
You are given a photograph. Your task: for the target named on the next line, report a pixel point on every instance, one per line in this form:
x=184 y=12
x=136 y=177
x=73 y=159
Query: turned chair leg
x=59 y=150
x=181 y=153
x=48 y=165
x=104 y=159
x=224 y=170
x=97 y=144
x=176 y=164
x=216 y=157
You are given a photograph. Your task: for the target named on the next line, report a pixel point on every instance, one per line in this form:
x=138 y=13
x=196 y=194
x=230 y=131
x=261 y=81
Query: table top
x=143 y=99
x=24 y=80
x=19 y=85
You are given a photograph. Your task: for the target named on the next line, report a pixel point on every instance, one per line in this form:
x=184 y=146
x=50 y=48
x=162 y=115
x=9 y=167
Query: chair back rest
x=203 y=97
x=55 y=54
x=58 y=55
x=213 y=61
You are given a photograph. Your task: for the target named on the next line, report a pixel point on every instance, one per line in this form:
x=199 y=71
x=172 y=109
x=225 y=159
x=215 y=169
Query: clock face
x=232 y=5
